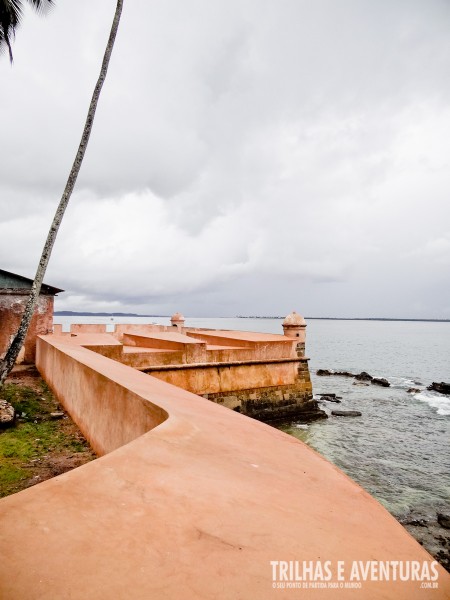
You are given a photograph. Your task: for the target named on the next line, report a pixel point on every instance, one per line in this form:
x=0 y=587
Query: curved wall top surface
x=192 y=501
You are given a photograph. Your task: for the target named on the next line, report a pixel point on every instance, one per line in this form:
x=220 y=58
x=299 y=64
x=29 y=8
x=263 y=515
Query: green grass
x=35 y=436
x=11 y=475
x=26 y=400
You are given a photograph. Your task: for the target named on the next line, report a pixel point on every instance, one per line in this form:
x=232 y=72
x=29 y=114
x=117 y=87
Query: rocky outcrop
x=442 y=388
x=363 y=376
x=413 y=390
x=380 y=381
x=330 y=398
x=324 y=372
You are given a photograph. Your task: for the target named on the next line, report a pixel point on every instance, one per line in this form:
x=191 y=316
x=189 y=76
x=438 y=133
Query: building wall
x=12 y=306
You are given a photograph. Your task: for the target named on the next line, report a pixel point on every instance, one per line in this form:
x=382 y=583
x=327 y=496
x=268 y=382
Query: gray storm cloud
x=247 y=157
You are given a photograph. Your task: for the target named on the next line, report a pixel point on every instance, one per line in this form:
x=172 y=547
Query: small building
x=14 y=292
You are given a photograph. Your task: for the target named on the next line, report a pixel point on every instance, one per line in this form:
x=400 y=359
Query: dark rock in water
x=415 y=522
x=346 y=413
x=283 y=412
x=442 y=540
x=380 y=381
x=339 y=373
x=443 y=520
x=360 y=383
x=311 y=412
x=428 y=532
x=413 y=390
x=443 y=556
x=323 y=372
x=363 y=376
x=442 y=388
x=330 y=398
x=7 y=414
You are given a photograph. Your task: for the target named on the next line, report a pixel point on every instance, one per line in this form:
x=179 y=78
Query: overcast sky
x=248 y=156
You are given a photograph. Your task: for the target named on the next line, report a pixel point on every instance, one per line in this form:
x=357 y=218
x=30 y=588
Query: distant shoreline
x=69 y=313
x=355 y=319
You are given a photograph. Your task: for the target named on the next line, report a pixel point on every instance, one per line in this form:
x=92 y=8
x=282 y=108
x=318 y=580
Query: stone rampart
x=266 y=375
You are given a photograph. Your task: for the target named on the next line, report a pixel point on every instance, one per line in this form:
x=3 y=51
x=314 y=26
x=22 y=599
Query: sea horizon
x=67 y=313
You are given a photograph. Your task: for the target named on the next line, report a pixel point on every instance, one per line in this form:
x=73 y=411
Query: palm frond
x=11 y=12
x=41 y=5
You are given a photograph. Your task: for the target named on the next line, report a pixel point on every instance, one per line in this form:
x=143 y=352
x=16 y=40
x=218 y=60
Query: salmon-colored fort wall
x=262 y=375
x=188 y=500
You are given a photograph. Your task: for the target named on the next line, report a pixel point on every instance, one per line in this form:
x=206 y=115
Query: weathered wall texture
x=197 y=507
x=269 y=391
x=282 y=402
x=12 y=305
x=228 y=377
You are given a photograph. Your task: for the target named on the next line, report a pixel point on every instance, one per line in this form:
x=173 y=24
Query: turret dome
x=177 y=317
x=294 y=320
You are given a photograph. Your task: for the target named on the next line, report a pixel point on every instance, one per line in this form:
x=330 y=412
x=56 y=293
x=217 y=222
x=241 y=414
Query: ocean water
x=399 y=449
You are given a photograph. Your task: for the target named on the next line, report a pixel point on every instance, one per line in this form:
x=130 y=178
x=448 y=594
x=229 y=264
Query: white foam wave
x=440 y=403
x=301 y=426
x=404 y=383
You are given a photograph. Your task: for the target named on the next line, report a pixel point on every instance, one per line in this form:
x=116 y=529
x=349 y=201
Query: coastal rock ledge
x=442 y=388
x=364 y=377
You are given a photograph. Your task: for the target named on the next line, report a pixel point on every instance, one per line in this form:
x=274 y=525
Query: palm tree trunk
x=8 y=362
